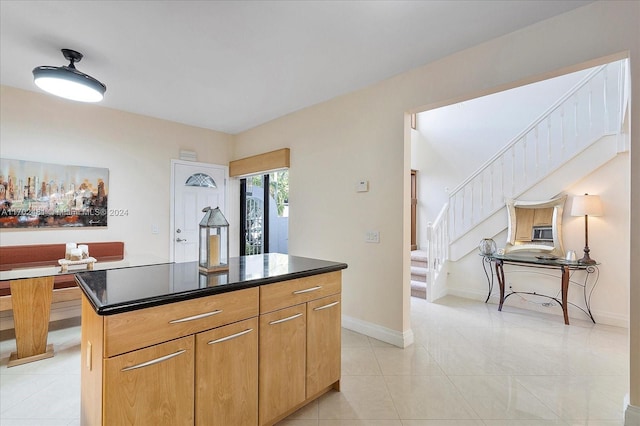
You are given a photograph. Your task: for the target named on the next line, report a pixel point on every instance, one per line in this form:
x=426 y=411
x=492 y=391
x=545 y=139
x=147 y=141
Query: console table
x=531 y=261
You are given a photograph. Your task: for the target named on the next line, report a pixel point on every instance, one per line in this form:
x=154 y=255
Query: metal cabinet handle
x=308 y=290
x=195 y=317
x=319 y=308
x=154 y=361
x=233 y=336
x=180 y=240
x=285 y=319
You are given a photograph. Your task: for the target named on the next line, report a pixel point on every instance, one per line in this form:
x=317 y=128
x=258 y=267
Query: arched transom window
x=201 y=180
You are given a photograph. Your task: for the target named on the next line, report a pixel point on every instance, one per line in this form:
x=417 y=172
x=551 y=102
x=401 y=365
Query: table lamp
x=586 y=205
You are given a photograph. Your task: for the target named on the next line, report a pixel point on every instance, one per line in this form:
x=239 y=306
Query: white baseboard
x=601 y=317
x=435 y=295
x=467 y=294
x=393 y=337
x=611 y=318
x=631 y=414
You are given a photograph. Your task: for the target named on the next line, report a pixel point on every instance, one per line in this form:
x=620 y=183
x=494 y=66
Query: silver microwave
x=542 y=233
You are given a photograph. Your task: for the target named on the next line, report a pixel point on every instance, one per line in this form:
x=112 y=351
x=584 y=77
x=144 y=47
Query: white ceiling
x=233 y=65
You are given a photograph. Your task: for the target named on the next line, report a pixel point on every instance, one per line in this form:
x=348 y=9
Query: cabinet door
x=323 y=343
x=227 y=375
x=524 y=224
x=282 y=361
x=151 y=386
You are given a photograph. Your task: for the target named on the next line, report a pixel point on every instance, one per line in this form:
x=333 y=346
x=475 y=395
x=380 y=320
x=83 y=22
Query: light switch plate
x=372 y=237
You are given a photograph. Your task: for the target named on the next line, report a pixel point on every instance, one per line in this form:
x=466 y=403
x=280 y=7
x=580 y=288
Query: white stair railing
x=591 y=110
x=438 y=244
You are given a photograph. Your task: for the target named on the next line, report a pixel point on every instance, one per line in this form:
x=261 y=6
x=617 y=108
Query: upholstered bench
x=38 y=255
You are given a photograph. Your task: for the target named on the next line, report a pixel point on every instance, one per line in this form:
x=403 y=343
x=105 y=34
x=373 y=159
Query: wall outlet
x=372 y=237
x=155 y=229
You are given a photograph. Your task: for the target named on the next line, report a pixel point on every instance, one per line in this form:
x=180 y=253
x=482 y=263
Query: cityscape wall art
x=42 y=195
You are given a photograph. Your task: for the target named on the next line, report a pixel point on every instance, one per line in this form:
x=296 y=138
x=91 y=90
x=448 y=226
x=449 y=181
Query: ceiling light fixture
x=67 y=82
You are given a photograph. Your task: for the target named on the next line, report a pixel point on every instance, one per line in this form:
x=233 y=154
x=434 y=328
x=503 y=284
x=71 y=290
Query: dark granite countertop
x=126 y=289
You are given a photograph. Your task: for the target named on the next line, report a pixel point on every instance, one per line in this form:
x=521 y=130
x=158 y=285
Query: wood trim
x=66 y=294
x=279 y=159
x=91 y=367
x=5 y=303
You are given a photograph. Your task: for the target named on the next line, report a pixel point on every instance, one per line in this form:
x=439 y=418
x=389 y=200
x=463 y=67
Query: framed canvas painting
x=42 y=195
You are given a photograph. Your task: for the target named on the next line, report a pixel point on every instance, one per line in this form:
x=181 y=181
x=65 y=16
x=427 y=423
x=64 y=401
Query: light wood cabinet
x=246 y=357
x=323 y=343
x=151 y=386
x=132 y=379
x=282 y=361
x=525 y=224
x=145 y=327
x=293 y=292
x=543 y=216
x=527 y=218
x=227 y=375
x=299 y=343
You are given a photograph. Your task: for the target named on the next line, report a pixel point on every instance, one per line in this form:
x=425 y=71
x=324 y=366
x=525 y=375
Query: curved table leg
x=500 y=275
x=486 y=260
x=565 y=293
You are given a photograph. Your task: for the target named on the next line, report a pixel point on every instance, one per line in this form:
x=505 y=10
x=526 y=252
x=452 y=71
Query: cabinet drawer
x=145 y=327
x=288 y=293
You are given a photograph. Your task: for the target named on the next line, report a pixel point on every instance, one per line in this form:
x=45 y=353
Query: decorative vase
x=487 y=247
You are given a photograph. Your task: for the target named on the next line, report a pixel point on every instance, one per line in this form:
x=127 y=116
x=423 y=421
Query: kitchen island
x=165 y=344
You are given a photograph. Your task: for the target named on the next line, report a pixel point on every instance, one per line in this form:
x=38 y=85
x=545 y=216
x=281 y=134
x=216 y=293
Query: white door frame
x=173 y=195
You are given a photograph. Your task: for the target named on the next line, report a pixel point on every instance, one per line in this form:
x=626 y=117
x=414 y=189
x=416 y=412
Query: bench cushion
x=37 y=255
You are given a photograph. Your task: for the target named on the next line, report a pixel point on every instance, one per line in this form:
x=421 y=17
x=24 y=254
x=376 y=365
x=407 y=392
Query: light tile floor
x=470 y=366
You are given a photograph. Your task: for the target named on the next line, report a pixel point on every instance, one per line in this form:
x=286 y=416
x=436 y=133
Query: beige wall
x=358 y=136
x=136 y=149
x=361 y=135
x=333 y=145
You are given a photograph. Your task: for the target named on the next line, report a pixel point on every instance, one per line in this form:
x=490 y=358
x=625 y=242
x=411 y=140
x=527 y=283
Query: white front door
x=195 y=186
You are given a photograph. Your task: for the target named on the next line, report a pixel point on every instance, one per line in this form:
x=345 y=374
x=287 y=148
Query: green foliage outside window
x=278 y=188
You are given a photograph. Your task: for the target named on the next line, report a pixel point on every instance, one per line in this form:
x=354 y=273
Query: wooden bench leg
x=31 y=301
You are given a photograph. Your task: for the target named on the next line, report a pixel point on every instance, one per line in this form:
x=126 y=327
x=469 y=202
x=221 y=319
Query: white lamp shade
x=586 y=205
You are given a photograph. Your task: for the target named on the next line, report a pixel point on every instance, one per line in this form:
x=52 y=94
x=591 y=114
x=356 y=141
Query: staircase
x=419 y=271
x=579 y=133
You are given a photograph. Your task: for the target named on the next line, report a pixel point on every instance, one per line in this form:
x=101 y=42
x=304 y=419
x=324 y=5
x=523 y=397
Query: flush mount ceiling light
x=68 y=82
